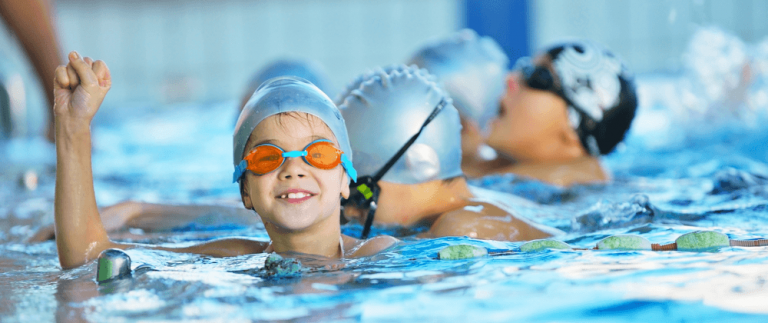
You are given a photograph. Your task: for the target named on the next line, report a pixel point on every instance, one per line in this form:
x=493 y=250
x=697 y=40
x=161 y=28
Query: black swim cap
x=601 y=90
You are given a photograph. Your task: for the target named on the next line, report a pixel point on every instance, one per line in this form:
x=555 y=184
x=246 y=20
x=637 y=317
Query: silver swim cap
x=472 y=70
x=288 y=94
x=355 y=84
x=386 y=110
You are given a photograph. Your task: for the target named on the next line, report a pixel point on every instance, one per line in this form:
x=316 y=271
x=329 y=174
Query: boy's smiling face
x=295 y=196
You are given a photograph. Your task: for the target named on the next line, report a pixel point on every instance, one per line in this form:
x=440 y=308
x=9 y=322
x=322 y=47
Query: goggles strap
x=369 y=220
x=372 y=197
x=393 y=160
x=239 y=170
x=347 y=164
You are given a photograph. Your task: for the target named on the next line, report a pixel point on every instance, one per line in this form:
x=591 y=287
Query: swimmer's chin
x=295 y=221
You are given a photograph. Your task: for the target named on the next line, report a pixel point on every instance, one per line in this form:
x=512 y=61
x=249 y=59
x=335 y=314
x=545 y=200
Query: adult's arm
x=32 y=22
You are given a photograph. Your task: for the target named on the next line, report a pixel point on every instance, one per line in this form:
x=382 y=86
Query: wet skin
x=449 y=209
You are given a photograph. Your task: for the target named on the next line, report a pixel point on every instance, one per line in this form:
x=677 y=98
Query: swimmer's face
x=529 y=120
x=315 y=193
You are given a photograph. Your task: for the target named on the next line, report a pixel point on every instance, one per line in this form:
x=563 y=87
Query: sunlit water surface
x=181 y=154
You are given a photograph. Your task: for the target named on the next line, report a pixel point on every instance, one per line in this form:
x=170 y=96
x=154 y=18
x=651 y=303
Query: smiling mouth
x=296 y=197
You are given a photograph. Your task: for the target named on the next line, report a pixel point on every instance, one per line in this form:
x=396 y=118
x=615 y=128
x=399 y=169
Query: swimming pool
x=180 y=154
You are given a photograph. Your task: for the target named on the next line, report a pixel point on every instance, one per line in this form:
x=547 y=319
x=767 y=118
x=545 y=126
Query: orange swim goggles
x=320 y=153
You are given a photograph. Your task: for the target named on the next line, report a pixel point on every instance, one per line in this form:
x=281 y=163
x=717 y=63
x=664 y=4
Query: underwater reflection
x=70 y=294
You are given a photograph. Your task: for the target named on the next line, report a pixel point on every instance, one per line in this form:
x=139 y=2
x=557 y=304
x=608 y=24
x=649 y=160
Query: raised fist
x=79 y=88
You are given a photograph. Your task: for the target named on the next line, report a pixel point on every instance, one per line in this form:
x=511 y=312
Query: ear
x=245 y=194
x=512 y=83
x=344 y=185
x=568 y=136
x=571 y=142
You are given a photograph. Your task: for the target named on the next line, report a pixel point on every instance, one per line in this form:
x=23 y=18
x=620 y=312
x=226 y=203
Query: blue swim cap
x=386 y=110
x=288 y=94
x=471 y=69
x=308 y=70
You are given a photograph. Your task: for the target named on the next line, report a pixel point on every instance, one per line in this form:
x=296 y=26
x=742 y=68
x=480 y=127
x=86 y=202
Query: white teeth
x=295 y=195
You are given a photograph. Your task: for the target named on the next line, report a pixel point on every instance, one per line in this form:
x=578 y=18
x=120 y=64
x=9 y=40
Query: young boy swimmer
x=561 y=111
x=295 y=187
x=472 y=70
x=424 y=184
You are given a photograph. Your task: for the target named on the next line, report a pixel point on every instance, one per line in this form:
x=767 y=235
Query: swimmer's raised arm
x=79 y=89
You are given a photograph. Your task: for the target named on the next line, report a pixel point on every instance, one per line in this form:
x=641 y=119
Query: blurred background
x=176 y=51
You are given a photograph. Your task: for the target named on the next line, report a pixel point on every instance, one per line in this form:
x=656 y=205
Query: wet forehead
x=290 y=131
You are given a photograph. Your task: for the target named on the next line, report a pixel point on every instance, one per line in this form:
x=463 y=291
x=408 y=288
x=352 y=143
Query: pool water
x=181 y=154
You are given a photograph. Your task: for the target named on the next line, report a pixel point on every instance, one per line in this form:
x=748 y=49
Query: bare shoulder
x=580 y=171
x=227 y=247
x=486 y=221
x=455 y=223
x=372 y=246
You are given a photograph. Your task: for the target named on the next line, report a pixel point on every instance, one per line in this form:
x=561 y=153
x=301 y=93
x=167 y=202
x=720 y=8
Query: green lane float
x=624 y=242
x=462 y=251
x=543 y=244
x=702 y=240
x=693 y=241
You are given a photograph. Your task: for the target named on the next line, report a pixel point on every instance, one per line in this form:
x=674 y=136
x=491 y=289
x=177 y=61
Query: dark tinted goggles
x=541 y=78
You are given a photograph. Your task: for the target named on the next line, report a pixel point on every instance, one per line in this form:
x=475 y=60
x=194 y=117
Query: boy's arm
x=160 y=217
x=79 y=89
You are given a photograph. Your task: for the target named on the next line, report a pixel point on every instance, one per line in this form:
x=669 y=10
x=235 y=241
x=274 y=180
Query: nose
x=293 y=168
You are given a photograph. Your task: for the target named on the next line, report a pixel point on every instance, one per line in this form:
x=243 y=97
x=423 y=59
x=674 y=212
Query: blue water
x=181 y=154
